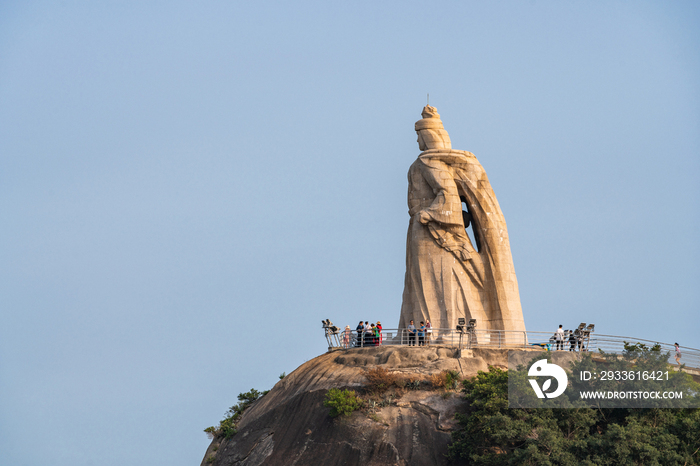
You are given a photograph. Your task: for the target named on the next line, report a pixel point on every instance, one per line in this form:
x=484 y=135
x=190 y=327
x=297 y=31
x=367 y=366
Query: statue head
x=431 y=133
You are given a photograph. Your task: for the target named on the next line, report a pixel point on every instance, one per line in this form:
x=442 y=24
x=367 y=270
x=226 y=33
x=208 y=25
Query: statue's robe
x=446 y=276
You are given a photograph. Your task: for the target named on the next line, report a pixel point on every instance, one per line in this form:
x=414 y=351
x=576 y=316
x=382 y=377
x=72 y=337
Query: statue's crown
x=430 y=112
x=431 y=119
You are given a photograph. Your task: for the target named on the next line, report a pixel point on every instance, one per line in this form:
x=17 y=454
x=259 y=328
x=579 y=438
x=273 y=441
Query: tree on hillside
x=490 y=433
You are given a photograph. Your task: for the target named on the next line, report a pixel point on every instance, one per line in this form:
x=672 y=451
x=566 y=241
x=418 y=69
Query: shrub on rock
x=342 y=402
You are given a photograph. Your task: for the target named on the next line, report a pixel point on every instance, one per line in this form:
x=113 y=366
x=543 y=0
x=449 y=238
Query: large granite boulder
x=290 y=425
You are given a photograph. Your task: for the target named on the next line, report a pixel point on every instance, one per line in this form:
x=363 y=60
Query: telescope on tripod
x=468 y=329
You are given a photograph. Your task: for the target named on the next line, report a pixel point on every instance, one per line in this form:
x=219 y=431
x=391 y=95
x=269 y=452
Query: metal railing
x=507 y=339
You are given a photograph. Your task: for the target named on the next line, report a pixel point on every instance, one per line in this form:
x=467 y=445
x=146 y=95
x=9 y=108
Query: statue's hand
x=423 y=217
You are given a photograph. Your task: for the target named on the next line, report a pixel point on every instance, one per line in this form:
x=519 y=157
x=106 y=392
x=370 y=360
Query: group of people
x=561 y=337
x=366 y=334
x=421 y=334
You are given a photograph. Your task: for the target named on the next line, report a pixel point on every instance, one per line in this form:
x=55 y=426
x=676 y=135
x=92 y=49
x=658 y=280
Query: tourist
x=375 y=335
x=368 y=334
x=346 y=337
x=572 y=341
x=678 y=354
x=579 y=339
x=360 y=333
x=411 y=334
x=428 y=332
x=421 y=334
x=379 y=331
x=559 y=337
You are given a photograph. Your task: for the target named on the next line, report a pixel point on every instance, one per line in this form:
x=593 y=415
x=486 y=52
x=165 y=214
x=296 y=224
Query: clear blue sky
x=188 y=188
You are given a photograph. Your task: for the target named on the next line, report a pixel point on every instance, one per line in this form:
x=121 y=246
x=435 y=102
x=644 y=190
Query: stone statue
x=447 y=276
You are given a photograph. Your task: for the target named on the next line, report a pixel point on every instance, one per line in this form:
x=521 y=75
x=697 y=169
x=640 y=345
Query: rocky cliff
x=290 y=425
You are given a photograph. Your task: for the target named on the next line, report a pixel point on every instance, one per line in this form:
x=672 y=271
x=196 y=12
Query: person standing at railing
x=678 y=354
x=375 y=335
x=346 y=337
x=360 y=333
x=421 y=334
x=572 y=341
x=428 y=332
x=579 y=339
x=369 y=335
x=559 y=337
x=379 y=332
x=411 y=334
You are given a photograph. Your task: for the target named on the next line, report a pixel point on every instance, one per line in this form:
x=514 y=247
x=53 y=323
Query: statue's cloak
x=446 y=276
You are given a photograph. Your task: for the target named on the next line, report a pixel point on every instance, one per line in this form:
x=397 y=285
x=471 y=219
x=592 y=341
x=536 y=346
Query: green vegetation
x=283 y=375
x=490 y=433
x=383 y=388
x=449 y=380
x=227 y=426
x=452 y=379
x=342 y=402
